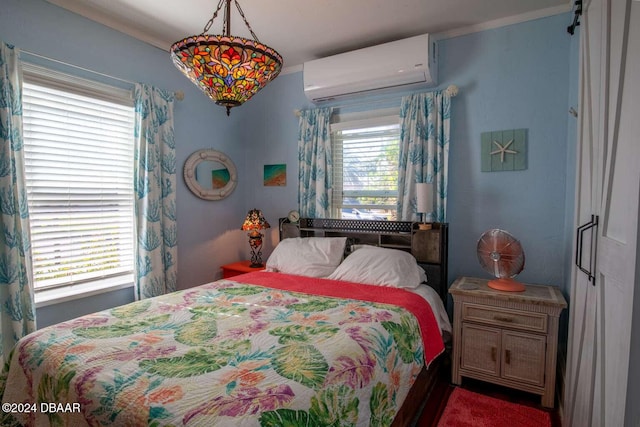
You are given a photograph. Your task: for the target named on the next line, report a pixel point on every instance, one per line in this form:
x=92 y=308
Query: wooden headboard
x=429 y=247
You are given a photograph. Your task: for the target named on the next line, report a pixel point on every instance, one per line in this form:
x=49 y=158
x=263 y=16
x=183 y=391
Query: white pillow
x=307 y=256
x=380 y=266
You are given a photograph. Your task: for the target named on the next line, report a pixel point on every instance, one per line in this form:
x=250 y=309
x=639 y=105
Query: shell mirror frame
x=210 y=174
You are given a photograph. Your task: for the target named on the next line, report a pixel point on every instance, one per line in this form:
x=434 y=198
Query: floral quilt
x=222 y=354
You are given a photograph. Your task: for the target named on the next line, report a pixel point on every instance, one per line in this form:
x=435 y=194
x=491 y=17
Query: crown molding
x=503 y=22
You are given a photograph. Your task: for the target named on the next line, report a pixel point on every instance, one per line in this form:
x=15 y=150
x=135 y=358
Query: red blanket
x=431 y=337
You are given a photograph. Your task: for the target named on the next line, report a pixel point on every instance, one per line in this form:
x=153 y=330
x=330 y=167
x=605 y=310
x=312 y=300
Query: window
x=78 y=138
x=365 y=167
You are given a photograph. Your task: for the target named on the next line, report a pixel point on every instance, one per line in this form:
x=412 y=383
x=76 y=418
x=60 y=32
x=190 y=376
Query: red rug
x=465 y=408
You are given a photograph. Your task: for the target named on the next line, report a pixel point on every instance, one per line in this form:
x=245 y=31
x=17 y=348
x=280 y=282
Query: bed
x=261 y=349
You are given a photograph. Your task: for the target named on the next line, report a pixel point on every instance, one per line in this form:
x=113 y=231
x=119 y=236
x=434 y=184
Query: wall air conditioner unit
x=404 y=64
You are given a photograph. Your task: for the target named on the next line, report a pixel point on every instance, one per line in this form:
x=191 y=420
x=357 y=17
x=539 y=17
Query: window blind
x=79 y=168
x=365 y=168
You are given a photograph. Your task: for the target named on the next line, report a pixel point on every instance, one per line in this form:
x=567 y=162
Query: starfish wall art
x=504 y=150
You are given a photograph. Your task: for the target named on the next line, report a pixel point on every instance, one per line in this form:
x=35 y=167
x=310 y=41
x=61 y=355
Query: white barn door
x=608 y=186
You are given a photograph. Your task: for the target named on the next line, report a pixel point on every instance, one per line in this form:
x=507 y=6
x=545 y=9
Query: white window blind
x=365 y=167
x=79 y=167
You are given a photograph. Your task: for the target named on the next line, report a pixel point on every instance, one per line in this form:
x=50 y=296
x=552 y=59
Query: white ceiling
x=301 y=30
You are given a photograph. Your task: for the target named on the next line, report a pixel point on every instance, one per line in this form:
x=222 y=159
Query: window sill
x=47 y=297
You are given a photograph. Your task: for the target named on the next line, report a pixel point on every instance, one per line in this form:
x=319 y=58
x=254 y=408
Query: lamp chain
x=246 y=22
x=226 y=24
x=215 y=15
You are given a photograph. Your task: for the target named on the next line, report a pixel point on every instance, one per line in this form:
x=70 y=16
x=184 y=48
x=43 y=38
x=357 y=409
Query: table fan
x=502 y=255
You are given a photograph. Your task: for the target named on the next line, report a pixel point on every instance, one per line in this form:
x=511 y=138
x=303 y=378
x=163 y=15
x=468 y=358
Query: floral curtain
x=155 y=192
x=424 y=151
x=17 y=309
x=314 y=163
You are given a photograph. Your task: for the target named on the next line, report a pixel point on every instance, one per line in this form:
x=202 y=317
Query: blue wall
x=512 y=77
x=272 y=136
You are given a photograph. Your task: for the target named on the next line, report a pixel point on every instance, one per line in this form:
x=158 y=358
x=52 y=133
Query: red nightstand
x=236 y=268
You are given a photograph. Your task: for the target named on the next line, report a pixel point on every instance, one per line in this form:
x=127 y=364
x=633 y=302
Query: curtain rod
x=452 y=90
x=178 y=94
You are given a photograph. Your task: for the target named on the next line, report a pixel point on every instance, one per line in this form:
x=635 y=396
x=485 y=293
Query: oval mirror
x=210 y=174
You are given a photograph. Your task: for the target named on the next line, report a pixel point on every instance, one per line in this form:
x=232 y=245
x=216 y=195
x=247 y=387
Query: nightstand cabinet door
x=480 y=349
x=523 y=357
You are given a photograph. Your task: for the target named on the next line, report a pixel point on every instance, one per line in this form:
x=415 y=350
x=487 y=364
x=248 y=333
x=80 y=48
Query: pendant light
x=229 y=69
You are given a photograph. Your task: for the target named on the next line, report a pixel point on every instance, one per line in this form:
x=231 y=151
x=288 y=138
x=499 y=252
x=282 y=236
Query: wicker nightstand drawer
x=515 y=319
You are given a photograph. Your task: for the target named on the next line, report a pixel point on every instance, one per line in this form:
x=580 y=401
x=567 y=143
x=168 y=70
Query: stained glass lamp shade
x=253 y=223
x=229 y=69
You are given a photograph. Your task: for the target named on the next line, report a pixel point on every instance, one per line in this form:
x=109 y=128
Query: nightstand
x=236 y=268
x=506 y=338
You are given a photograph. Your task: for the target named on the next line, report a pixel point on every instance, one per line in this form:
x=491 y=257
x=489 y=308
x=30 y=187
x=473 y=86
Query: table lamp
x=253 y=223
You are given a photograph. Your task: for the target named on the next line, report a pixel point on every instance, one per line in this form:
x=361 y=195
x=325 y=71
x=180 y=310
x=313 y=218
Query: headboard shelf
x=347 y=230
x=368 y=226
x=429 y=247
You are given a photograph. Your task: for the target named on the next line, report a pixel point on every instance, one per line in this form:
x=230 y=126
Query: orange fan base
x=507 y=285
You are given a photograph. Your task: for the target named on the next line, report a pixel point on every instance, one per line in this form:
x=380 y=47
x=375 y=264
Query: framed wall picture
x=504 y=150
x=275 y=175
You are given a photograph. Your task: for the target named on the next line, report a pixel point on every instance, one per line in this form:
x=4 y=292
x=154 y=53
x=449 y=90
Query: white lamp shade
x=424 y=193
